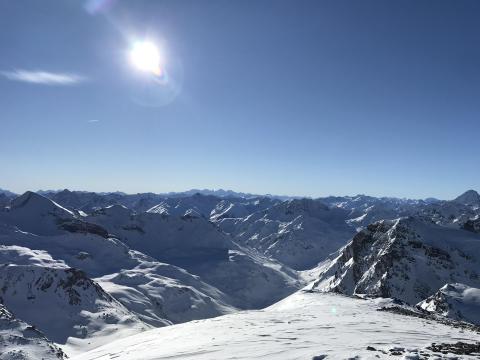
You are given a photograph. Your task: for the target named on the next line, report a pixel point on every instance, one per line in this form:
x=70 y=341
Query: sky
x=298 y=97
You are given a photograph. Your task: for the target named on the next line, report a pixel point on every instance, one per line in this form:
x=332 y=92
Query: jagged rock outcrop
x=406 y=259
x=455 y=301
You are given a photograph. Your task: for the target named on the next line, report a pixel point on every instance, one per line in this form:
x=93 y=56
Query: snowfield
x=303 y=326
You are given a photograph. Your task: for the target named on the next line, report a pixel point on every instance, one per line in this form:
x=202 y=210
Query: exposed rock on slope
x=21 y=341
x=405 y=259
x=157 y=293
x=455 y=301
x=63 y=302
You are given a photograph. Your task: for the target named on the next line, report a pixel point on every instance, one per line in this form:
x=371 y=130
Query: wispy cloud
x=43 y=77
x=93 y=121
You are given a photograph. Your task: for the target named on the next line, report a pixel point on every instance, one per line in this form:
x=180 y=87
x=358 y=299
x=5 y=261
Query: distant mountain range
x=217 y=192
x=83 y=268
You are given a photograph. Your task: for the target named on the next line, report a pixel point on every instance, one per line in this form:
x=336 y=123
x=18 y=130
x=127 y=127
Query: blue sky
x=288 y=97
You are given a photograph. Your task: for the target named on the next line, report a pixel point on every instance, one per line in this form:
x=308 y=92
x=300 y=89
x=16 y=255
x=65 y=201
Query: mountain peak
x=29 y=198
x=470 y=197
x=32 y=200
x=37 y=214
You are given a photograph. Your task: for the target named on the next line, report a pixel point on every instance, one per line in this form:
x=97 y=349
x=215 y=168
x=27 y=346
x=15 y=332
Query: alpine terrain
x=218 y=274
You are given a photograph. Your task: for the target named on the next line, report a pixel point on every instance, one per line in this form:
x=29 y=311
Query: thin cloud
x=43 y=77
x=93 y=121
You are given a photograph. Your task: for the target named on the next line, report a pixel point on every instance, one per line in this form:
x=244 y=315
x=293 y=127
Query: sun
x=145 y=56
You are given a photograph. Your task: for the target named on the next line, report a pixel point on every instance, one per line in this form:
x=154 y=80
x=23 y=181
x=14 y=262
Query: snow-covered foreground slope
x=302 y=326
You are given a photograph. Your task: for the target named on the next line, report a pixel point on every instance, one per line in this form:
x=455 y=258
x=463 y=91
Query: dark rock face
x=402 y=259
x=77 y=280
x=472 y=225
x=459 y=348
x=4 y=200
x=470 y=197
x=78 y=226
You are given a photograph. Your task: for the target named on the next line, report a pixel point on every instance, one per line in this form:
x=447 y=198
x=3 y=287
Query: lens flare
x=145 y=56
x=95 y=7
x=161 y=81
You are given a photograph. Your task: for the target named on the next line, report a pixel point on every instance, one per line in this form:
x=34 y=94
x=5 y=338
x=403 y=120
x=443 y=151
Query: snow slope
x=20 y=341
x=68 y=307
x=299 y=233
x=302 y=326
x=456 y=301
x=192 y=242
x=157 y=293
x=36 y=214
x=138 y=285
x=174 y=239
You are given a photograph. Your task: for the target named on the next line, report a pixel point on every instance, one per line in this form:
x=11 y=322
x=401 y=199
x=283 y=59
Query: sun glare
x=145 y=56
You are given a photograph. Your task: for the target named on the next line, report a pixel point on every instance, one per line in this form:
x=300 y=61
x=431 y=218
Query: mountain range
x=81 y=269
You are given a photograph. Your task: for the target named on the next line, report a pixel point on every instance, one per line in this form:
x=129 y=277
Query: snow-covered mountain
x=299 y=233
x=200 y=204
x=61 y=301
x=174 y=239
x=212 y=207
x=19 y=340
x=238 y=208
x=36 y=214
x=192 y=242
x=221 y=193
x=455 y=301
x=406 y=259
x=115 y=265
x=364 y=210
x=89 y=201
x=5 y=197
x=90 y=267
x=8 y=193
